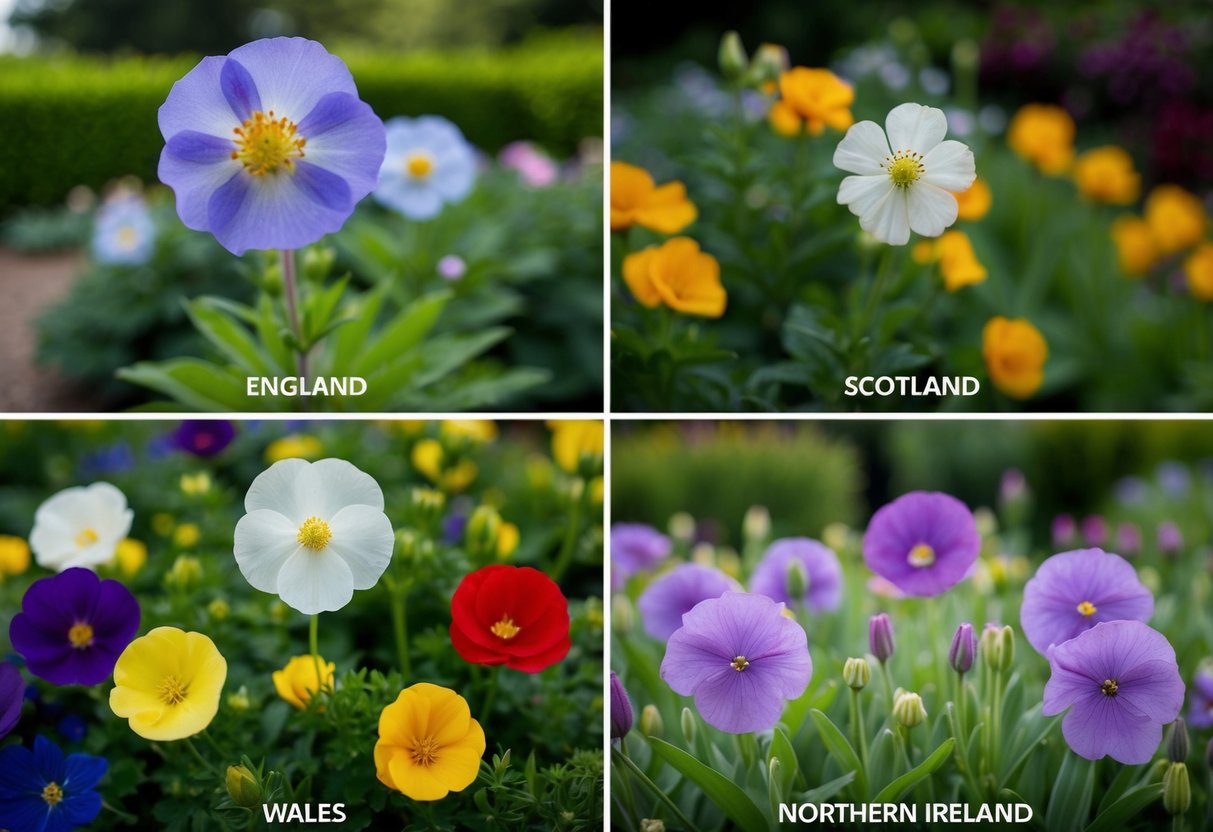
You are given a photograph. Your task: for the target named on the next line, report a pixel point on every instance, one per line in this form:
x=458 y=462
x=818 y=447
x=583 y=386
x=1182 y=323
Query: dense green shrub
x=74 y=120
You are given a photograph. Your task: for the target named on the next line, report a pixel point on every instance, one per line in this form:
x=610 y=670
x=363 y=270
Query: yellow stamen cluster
x=1109 y=687
x=265 y=144
x=315 y=534
x=424 y=751
x=87 y=537
x=739 y=664
x=80 y=635
x=171 y=691
x=904 y=167
x=921 y=555
x=419 y=164
x=52 y=794
x=505 y=628
x=1087 y=608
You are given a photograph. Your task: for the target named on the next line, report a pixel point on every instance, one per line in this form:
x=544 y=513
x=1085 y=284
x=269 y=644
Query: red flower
x=511 y=615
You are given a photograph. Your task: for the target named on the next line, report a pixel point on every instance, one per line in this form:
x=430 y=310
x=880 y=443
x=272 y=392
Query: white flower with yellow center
x=80 y=526
x=314 y=532
x=907 y=181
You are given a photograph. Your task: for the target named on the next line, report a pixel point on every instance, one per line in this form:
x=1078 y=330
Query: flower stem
x=491 y=696
x=292 y=309
x=888 y=684
x=400 y=628
x=658 y=792
x=313 y=644
x=193 y=749
x=565 y=556
x=861 y=741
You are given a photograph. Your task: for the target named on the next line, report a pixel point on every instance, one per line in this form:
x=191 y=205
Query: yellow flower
x=957 y=261
x=974 y=203
x=1176 y=218
x=573 y=439
x=677 y=274
x=195 y=484
x=811 y=99
x=1199 y=270
x=186 y=535
x=185 y=572
x=167 y=684
x=218 y=609
x=1044 y=135
x=429 y=458
x=162 y=523
x=130 y=556
x=303 y=676
x=1135 y=246
x=1106 y=174
x=429 y=745
x=637 y=200
x=477 y=430
x=14 y=555
x=300 y=445
x=507 y=540
x=1015 y=353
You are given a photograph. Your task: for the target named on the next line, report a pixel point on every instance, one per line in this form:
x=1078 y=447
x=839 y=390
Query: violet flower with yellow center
x=923 y=542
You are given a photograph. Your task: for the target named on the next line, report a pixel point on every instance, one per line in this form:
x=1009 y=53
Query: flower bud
x=621 y=709
x=1170 y=538
x=731 y=56
x=797 y=580
x=988 y=645
x=770 y=61
x=239 y=701
x=218 y=609
x=1176 y=789
x=185 y=573
x=1209 y=753
x=652 y=825
x=242 y=787
x=651 y=724
x=687 y=721
x=857 y=673
x=908 y=710
x=757 y=524
x=1063 y=529
x=1006 y=648
x=481 y=533
x=880 y=637
x=1177 y=741
x=623 y=614
x=682 y=526
x=964 y=646
x=317 y=263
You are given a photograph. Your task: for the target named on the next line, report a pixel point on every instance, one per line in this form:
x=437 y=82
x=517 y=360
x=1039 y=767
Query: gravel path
x=28 y=284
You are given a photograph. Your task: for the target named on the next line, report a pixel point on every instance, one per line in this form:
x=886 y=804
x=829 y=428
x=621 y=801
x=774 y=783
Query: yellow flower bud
x=242 y=787
x=908 y=710
x=857 y=673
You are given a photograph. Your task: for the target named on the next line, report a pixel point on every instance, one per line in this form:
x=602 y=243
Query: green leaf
x=827 y=790
x=1028 y=738
x=893 y=792
x=402 y=333
x=838 y=745
x=796 y=711
x=1128 y=807
x=348 y=345
x=1070 y=802
x=789 y=766
x=447 y=353
x=722 y=791
x=197 y=384
x=269 y=331
x=229 y=337
x=318 y=311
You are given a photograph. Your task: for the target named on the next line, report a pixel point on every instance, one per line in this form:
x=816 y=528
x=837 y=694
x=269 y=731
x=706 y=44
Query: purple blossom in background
x=964 y=648
x=881 y=643
x=1128 y=538
x=12 y=696
x=1121 y=684
x=203 y=437
x=428 y=164
x=924 y=542
x=879 y=586
x=270 y=146
x=1174 y=478
x=670 y=596
x=1170 y=538
x=1094 y=530
x=1131 y=491
x=536 y=168
x=73 y=626
x=1064 y=530
x=741 y=659
x=1073 y=591
x=1013 y=486
x=452 y=267
x=635 y=547
x=621 y=709
x=823 y=573
x=1200 y=708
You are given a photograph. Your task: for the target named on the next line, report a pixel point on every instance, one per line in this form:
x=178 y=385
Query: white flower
x=314 y=533
x=907 y=188
x=80 y=526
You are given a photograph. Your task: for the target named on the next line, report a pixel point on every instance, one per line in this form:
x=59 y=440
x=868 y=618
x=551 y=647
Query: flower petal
x=293 y=74
x=738 y=703
x=1153 y=687
x=323 y=187
x=363 y=537
x=459 y=762
x=84 y=771
x=1098 y=725
x=264 y=541
x=239 y=89
x=863 y=150
x=931 y=209
x=198 y=148
x=950 y=166
x=315 y=582
x=196 y=102
x=345 y=136
x=889 y=220
x=194 y=184
x=915 y=127
x=340 y=484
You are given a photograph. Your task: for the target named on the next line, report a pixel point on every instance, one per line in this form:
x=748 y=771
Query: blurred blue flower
x=428 y=164
x=111 y=459
x=72 y=728
x=1130 y=491
x=44 y=791
x=124 y=233
x=1174 y=478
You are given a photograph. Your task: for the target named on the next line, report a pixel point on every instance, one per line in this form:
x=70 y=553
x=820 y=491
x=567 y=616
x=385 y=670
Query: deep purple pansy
x=634 y=548
x=1073 y=591
x=204 y=437
x=923 y=542
x=12 y=696
x=73 y=626
x=822 y=573
x=670 y=596
x=269 y=147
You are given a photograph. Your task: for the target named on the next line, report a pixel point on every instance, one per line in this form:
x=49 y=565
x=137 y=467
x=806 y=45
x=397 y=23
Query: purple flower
x=635 y=547
x=1174 y=478
x=536 y=167
x=12 y=695
x=1063 y=530
x=269 y=147
x=452 y=267
x=621 y=709
x=1013 y=486
x=964 y=647
x=924 y=542
x=44 y=791
x=1073 y=591
x=203 y=437
x=1121 y=684
x=1170 y=538
x=427 y=165
x=1200 y=709
x=670 y=596
x=1094 y=530
x=1128 y=538
x=822 y=573
x=880 y=637
x=73 y=626
x=740 y=657
x=1131 y=491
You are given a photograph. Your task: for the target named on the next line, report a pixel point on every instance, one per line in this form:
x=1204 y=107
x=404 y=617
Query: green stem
x=193 y=749
x=491 y=696
x=903 y=744
x=861 y=739
x=658 y=792
x=565 y=556
x=400 y=632
x=292 y=310
x=888 y=684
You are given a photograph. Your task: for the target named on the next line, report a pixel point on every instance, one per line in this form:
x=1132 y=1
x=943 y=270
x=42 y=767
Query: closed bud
x=757 y=524
x=731 y=56
x=621 y=709
x=317 y=263
x=964 y=646
x=988 y=646
x=1006 y=648
x=242 y=787
x=797 y=580
x=908 y=710
x=857 y=673
x=1177 y=741
x=682 y=526
x=650 y=721
x=482 y=530
x=880 y=637
x=770 y=61
x=623 y=614
x=185 y=573
x=1176 y=789
x=652 y=825
x=687 y=721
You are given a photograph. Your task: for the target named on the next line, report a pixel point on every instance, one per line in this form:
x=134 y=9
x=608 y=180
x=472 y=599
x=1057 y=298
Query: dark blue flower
x=112 y=459
x=44 y=791
x=72 y=728
x=203 y=437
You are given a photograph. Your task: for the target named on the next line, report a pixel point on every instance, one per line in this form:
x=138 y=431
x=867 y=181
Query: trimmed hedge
x=67 y=121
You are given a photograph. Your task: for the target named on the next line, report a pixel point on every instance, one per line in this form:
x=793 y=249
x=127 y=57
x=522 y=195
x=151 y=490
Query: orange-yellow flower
x=1015 y=353
x=974 y=203
x=1044 y=135
x=958 y=262
x=637 y=200
x=1199 y=270
x=14 y=555
x=429 y=745
x=1176 y=218
x=1106 y=174
x=577 y=441
x=811 y=99
x=677 y=274
x=302 y=677
x=1135 y=246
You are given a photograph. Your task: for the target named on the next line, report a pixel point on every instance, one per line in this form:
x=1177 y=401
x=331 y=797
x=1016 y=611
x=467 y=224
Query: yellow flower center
x=87 y=537
x=904 y=166
x=505 y=628
x=80 y=635
x=1087 y=608
x=171 y=691
x=1109 y=687
x=424 y=751
x=127 y=238
x=52 y=794
x=419 y=164
x=921 y=555
x=315 y=534
x=264 y=144
x=739 y=664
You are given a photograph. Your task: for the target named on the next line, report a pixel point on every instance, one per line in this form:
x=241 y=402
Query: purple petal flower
x=203 y=437
x=536 y=167
x=1094 y=530
x=880 y=637
x=123 y=233
x=73 y=626
x=634 y=548
x=621 y=709
x=821 y=568
x=452 y=267
x=741 y=658
x=964 y=647
x=670 y=596
x=1128 y=538
x=1073 y=591
x=1170 y=538
x=1121 y=684
x=923 y=542
x=12 y=695
x=1200 y=708
x=427 y=165
x=269 y=147
x=1063 y=530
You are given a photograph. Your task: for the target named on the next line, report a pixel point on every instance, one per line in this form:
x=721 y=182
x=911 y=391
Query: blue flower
x=428 y=164
x=43 y=791
x=123 y=233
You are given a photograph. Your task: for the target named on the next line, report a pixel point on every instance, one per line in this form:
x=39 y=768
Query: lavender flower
x=924 y=542
x=741 y=658
x=1121 y=684
x=1094 y=530
x=1063 y=530
x=12 y=696
x=964 y=647
x=1073 y=591
x=621 y=709
x=822 y=573
x=452 y=267
x=1200 y=708
x=427 y=165
x=1170 y=538
x=635 y=547
x=534 y=166
x=124 y=233
x=670 y=596
x=1174 y=478
x=880 y=637
x=1128 y=538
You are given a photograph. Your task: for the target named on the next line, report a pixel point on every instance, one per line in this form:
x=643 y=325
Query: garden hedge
x=67 y=121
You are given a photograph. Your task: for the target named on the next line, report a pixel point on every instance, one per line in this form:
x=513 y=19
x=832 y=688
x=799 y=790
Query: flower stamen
x=171 y=691
x=424 y=751
x=1109 y=687
x=87 y=537
x=315 y=534
x=921 y=556
x=505 y=628
x=80 y=635
x=419 y=164
x=52 y=794
x=264 y=144
x=740 y=663
x=904 y=167
x=1087 y=608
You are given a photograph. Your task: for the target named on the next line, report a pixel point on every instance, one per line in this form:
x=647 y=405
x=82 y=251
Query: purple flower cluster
x=664 y=602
